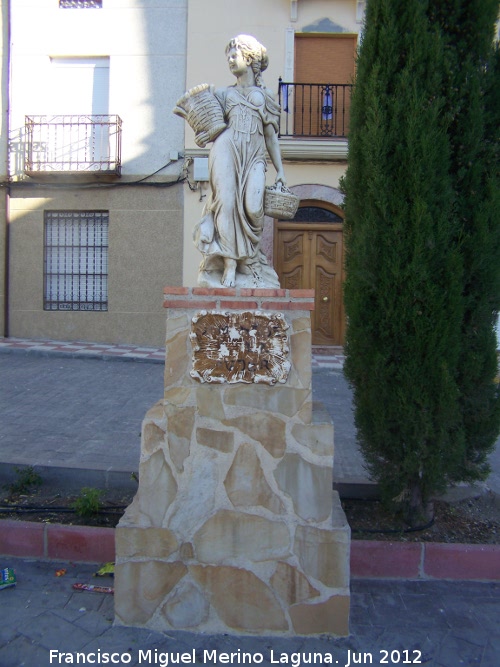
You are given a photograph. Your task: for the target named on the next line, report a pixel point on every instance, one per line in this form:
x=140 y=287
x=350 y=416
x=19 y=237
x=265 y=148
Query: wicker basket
x=280 y=203
x=202 y=111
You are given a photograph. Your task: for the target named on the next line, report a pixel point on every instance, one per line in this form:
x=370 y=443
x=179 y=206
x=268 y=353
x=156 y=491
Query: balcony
x=75 y=147
x=314 y=122
x=318 y=110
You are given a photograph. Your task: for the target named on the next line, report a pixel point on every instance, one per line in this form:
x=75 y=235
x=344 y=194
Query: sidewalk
x=65 y=411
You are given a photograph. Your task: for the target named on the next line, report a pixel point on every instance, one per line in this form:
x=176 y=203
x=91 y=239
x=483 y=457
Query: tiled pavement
x=62 y=410
x=437 y=624
x=79 y=415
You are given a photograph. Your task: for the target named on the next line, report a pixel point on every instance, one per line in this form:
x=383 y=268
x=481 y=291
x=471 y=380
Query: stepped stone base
x=235 y=527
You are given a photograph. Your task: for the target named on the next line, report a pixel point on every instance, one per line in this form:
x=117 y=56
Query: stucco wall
x=145 y=254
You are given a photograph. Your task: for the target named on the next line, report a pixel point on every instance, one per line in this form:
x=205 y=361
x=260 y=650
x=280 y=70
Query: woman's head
x=253 y=52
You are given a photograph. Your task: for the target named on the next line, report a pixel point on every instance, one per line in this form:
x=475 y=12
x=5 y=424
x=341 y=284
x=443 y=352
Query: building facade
x=312 y=48
x=95 y=156
x=103 y=184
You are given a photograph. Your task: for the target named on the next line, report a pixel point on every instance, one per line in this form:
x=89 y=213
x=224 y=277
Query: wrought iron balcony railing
x=73 y=145
x=314 y=109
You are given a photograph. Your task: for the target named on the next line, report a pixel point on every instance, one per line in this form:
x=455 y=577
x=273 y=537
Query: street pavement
x=77 y=416
x=433 y=623
x=77 y=419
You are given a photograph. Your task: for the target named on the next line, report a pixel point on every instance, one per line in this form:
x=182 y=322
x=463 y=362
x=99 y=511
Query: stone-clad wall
x=235 y=527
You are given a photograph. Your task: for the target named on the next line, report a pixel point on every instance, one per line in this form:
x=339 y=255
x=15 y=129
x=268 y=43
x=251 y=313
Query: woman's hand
x=280 y=177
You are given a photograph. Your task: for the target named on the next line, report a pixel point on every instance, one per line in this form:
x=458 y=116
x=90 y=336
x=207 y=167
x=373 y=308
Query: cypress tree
x=404 y=271
x=471 y=89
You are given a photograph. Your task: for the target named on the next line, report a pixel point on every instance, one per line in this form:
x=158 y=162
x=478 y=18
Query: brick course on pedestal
x=235 y=527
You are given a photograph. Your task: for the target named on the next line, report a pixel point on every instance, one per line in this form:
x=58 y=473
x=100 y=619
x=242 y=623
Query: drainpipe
x=7 y=91
x=6 y=331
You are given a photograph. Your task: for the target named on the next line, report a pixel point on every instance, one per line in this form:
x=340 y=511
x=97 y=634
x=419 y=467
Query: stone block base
x=302 y=587
x=235 y=527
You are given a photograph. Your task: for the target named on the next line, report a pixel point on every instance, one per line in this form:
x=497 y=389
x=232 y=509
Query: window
x=321 y=92
x=75 y=133
x=325 y=58
x=76 y=260
x=78 y=85
x=79 y=101
x=80 y=4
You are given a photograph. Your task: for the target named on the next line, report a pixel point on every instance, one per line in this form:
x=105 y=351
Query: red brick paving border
x=56 y=541
x=373 y=559
x=462 y=561
x=22 y=538
x=80 y=543
x=370 y=559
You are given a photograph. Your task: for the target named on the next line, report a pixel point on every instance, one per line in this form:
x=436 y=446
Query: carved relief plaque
x=240 y=347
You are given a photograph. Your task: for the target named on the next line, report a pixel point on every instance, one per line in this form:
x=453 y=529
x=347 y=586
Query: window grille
x=80 y=4
x=76 y=260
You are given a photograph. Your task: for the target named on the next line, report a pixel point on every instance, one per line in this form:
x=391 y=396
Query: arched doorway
x=308 y=253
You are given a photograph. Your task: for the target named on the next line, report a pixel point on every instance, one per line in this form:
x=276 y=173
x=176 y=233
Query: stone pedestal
x=235 y=527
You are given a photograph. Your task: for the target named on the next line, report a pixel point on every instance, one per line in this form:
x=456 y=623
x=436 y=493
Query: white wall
x=146 y=43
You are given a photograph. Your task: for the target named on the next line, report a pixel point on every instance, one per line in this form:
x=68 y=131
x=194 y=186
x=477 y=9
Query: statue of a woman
x=230 y=231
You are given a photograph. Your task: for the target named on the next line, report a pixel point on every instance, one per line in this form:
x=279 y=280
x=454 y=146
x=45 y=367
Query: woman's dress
x=233 y=216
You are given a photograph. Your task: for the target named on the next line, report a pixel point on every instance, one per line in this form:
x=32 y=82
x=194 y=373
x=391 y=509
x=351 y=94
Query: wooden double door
x=311 y=256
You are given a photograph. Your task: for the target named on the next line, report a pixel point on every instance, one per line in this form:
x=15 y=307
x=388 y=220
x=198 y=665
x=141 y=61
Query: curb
x=82 y=354
x=425 y=560
x=318 y=362
x=70 y=478
x=28 y=539
x=370 y=559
